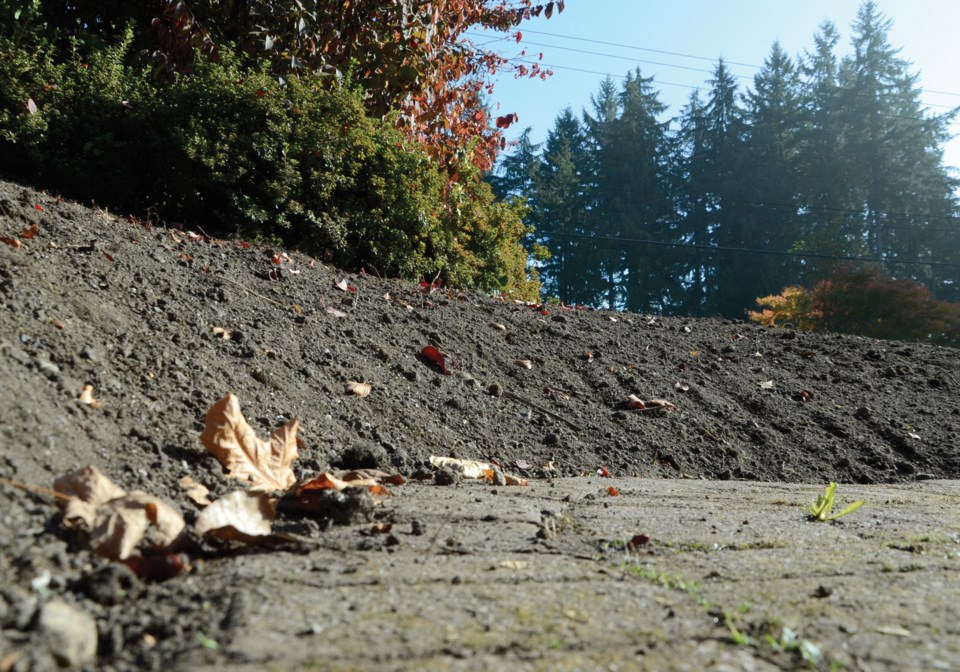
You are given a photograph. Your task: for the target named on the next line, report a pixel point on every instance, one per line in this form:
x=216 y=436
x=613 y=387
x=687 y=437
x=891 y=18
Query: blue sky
x=697 y=32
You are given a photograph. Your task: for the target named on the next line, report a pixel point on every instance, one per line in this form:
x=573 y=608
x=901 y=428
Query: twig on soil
x=250 y=291
x=35 y=489
x=541 y=409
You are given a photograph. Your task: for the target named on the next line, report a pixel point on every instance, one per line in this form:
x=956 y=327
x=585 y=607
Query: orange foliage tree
x=865 y=302
x=411 y=57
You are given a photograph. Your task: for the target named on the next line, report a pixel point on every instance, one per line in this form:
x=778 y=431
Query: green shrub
x=232 y=150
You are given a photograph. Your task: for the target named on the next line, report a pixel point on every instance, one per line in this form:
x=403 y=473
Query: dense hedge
x=232 y=150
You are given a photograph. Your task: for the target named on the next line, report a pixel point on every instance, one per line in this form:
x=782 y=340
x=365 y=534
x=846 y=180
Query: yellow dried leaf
x=223 y=332
x=358 y=389
x=262 y=465
x=86 y=397
x=466 y=468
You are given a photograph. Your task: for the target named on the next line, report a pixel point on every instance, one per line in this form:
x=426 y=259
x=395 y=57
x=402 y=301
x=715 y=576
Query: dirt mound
x=162 y=322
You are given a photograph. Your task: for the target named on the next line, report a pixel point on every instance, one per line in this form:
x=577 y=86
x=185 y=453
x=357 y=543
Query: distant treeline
x=825 y=161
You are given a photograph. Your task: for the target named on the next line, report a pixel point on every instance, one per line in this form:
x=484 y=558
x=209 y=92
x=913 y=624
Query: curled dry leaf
x=262 y=465
x=682 y=386
x=86 y=397
x=510 y=479
x=358 y=389
x=12 y=242
x=30 y=232
x=466 y=468
x=197 y=492
x=327 y=481
x=660 y=403
x=115 y=520
x=613 y=492
x=498 y=326
x=524 y=363
x=343 y=286
x=240 y=516
x=223 y=333
x=635 y=402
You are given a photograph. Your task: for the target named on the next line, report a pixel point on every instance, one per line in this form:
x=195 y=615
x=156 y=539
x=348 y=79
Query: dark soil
x=97 y=299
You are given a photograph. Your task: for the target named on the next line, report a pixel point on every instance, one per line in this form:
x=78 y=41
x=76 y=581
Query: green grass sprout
x=820 y=509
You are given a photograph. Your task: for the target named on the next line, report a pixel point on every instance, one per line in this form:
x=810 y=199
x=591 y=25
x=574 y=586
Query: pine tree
x=515 y=176
x=771 y=169
x=559 y=211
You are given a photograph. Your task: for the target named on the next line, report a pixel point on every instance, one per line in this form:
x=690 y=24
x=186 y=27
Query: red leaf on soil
x=108 y=256
x=434 y=355
x=158 y=567
x=603 y=473
x=30 y=232
x=612 y=491
x=12 y=242
x=38 y=207
x=519 y=36
x=638 y=540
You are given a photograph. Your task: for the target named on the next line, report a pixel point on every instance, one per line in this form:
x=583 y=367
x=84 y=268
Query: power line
x=746 y=250
x=698 y=88
x=678 y=67
x=630 y=46
x=682 y=55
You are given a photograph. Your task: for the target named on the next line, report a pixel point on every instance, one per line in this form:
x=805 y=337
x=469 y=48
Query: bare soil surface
x=725 y=572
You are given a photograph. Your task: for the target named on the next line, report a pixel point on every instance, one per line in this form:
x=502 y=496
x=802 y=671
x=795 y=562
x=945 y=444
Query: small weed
x=789 y=641
x=820 y=509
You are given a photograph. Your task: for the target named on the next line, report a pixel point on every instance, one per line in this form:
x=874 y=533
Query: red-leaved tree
x=412 y=57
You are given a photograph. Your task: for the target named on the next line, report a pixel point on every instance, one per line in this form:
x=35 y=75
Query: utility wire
x=700 y=88
x=745 y=250
x=678 y=67
x=682 y=55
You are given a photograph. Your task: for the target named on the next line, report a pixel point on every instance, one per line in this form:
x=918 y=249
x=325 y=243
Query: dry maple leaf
x=263 y=465
x=117 y=521
x=240 y=516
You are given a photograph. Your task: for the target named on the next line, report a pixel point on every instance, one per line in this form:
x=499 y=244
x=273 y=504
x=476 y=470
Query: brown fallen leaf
x=115 y=520
x=466 y=468
x=197 y=492
x=327 y=481
x=524 y=363
x=262 y=465
x=374 y=474
x=239 y=516
x=515 y=480
x=86 y=397
x=12 y=242
x=358 y=389
x=30 y=231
